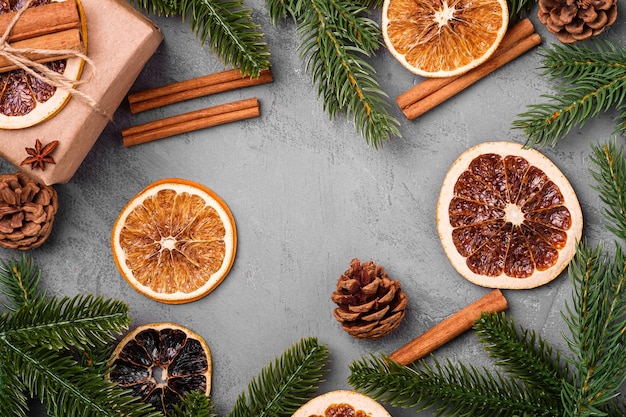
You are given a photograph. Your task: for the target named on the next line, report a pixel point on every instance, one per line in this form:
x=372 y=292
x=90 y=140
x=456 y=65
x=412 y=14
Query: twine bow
x=17 y=57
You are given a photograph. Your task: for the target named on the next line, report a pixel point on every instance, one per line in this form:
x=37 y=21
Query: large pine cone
x=27 y=211
x=575 y=20
x=370 y=305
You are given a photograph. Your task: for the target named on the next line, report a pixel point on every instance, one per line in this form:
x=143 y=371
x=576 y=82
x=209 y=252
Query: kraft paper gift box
x=120 y=40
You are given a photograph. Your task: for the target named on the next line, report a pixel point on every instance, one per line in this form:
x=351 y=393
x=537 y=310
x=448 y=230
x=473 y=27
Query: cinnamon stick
x=519 y=31
x=194 y=88
x=67 y=40
x=188 y=122
x=449 y=328
x=42 y=20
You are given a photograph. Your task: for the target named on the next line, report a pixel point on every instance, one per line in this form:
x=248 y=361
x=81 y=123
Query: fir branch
x=67 y=389
x=524 y=356
x=226 y=24
x=590 y=79
x=38 y=341
x=194 y=404
x=597 y=322
x=19 y=282
x=13 y=401
x=337 y=37
x=518 y=9
x=79 y=322
x=609 y=173
x=451 y=390
x=284 y=385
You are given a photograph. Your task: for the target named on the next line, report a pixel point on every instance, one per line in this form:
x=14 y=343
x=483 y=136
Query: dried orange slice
x=342 y=403
x=441 y=38
x=175 y=241
x=25 y=100
x=162 y=362
x=507 y=217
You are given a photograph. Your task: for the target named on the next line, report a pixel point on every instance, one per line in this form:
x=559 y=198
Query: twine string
x=18 y=57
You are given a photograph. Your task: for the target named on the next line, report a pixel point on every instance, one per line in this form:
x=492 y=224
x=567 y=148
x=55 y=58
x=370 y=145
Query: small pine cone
x=27 y=211
x=576 y=20
x=370 y=305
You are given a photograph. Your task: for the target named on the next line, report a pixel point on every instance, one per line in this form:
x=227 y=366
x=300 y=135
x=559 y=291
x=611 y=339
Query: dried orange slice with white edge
x=442 y=38
x=342 y=403
x=160 y=363
x=175 y=241
x=25 y=100
x=507 y=217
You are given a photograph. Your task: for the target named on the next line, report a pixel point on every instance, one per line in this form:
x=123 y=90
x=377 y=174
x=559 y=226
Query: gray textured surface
x=308 y=195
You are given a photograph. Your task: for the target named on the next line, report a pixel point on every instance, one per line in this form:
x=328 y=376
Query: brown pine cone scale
x=27 y=211
x=369 y=304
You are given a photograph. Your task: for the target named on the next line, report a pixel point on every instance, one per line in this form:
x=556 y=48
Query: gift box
x=120 y=40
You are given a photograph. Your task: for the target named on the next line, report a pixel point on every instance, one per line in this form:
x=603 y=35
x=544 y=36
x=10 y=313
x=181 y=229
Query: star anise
x=40 y=155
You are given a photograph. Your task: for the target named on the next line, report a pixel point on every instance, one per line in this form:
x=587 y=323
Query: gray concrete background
x=308 y=195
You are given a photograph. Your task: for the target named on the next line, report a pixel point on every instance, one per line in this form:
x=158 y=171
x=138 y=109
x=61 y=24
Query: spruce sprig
x=597 y=322
x=523 y=354
x=285 y=384
x=39 y=339
x=610 y=176
x=452 y=390
x=337 y=37
x=590 y=79
x=227 y=25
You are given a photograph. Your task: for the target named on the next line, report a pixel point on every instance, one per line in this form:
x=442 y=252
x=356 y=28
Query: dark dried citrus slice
x=162 y=362
x=25 y=100
x=342 y=403
x=507 y=217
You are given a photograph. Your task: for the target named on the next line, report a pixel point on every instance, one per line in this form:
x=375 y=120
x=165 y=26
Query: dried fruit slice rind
x=507 y=217
x=175 y=241
x=182 y=358
x=441 y=38
x=53 y=101
x=352 y=403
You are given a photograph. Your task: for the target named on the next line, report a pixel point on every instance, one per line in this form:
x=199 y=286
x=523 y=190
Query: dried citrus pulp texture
x=161 y=362
x=507 y=217
x=175 y=241
x=342 y=403
x=441 y=38
x=25 y=100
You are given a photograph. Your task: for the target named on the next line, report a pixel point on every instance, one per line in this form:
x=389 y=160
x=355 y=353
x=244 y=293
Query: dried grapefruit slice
x=507 y=217
x=25 y=100
x=160 y=363
x=175 y=241
x=441 y=38
x=342 y=403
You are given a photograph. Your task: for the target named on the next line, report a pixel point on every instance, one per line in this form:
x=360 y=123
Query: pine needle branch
x=284 y=385
x=80 y=322
x=609 y=173
x=228 y=27
x=39 y=342
x=19 y=282
x=524 y=356
x=518 y=9
x=13 y=401
x=597 y=322
x=194 y=404
x=590 y=79
x=67 y=389
x=452 y=390
x=337 y=37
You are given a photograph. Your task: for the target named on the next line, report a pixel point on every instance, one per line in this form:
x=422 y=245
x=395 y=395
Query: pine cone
x=27 y=211
x=370 y=305
x=575 y=20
